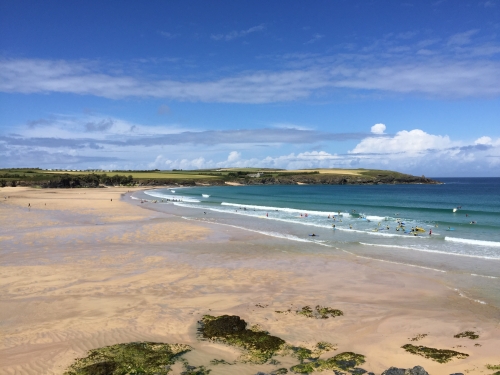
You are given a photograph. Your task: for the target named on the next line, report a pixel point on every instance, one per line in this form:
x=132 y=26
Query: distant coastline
x=35 y=177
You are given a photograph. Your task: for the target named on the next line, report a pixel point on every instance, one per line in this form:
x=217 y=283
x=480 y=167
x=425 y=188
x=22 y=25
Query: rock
x=457 y=373
x=417 y=370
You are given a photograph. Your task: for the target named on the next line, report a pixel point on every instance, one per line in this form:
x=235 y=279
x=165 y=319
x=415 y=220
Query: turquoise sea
x=463 y=214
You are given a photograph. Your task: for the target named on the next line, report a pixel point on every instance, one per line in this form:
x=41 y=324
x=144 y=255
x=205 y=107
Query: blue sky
x=412 y=86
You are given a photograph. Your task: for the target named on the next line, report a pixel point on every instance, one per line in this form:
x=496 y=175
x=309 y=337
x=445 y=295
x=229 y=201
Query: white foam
x=461 y=294
x=473 y=242
x=429 y=251
x=157 y=194
x=285 y=209
x=375 y=218
x=488 y=277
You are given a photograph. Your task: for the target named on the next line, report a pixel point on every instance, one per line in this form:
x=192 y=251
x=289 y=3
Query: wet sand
x=83 y=268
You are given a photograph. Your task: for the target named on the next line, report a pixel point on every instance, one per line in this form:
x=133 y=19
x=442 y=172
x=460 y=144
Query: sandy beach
x=86 y=268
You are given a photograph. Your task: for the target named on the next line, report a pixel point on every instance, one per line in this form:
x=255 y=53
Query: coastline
x=83 y=268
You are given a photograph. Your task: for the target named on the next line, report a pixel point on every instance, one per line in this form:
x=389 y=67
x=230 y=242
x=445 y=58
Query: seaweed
x=469 y=334
x=231 y=329
x=343 y=361
x=306 y=311
x=280 y=371
x=493 y=367
x=321 y=312
x=418 y=337
x=219 y=362
x=438 y=355
x=129 y=358
x=326 y=312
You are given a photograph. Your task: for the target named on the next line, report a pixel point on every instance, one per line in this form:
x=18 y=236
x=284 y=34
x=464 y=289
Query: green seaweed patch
x=438 y=355
x=302 y=353
x=344 y=361
x=418 y=337
x=130 y=358
x=280 y=371
x=320 y=312
x=469 y=334
x=216 y=362
x=231 y=329
x=493 y=367
x=261 y=305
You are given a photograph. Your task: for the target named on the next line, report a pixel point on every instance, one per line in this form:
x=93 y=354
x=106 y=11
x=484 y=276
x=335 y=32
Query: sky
x=411 y=86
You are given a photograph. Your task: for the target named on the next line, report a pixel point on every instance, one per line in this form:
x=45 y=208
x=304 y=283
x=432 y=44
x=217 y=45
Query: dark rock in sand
x=417 y=370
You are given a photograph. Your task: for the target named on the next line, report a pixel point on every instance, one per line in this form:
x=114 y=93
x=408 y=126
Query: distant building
x=258 y=174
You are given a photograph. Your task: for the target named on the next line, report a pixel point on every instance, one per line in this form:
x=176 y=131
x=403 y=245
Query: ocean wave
x=157 y=194
x=341 y=227
x=473 y=242
x=286 y=209
x=430 y=251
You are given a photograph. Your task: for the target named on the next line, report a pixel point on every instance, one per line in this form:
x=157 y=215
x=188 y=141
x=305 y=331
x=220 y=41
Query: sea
x=458 y=221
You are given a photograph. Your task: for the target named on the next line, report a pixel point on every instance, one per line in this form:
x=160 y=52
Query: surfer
x=430 y=232
x=267 y=215
x=473 y=222
x=313 y=235
x=350 y=226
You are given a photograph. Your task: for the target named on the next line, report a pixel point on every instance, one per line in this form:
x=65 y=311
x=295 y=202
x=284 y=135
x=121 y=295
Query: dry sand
x=83 y=269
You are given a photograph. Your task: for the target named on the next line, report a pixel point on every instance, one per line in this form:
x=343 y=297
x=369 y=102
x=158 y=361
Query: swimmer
x=350 y=226
x=333 y=226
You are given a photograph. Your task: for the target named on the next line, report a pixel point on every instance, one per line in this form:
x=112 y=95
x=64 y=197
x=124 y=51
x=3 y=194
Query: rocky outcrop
x=417 y=370
x=331 y=179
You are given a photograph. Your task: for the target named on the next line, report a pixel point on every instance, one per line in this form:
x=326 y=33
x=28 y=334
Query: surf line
x=390 y=261
x=462 y=294
x=270 y=234
x=430 y=251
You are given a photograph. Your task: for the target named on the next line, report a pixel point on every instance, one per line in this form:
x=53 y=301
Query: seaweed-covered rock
x=232 y=330
x=438 y=355
x=319 y=312
x=417 y=370
x=130 y=358
x=469 y=334
x=346 y=361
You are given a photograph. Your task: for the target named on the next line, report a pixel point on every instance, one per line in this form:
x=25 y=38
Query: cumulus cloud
x=483 y=141
x=408 y=142
x=378 y=129
x=233 y=156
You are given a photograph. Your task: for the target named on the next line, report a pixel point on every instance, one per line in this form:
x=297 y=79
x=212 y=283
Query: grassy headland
x=248 y=176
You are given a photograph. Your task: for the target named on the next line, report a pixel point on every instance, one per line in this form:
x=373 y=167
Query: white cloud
x=483 y=141
x=378 y=129
x=315 y=38
x=410 y=142
x=453 y=79
x=462 y=38
x=233 y=156
x=237 y=34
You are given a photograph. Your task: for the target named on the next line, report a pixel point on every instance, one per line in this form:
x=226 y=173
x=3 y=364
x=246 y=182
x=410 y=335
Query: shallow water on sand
x=469 y=255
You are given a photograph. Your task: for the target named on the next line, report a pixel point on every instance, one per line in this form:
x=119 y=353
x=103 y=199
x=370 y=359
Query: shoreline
x=104 y=272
